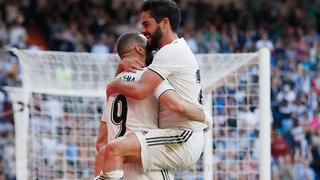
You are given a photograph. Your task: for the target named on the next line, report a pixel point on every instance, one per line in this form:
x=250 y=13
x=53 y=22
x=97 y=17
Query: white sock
x=111 y=175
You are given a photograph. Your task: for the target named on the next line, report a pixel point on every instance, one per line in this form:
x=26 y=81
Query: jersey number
x=119 y=114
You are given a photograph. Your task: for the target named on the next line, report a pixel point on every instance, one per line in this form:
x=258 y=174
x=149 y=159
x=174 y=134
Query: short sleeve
x=160 y=65
x=161 y=88
x=165 y=62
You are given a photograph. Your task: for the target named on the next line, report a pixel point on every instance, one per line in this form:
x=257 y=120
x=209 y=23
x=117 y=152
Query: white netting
x=66 y=93
x=62 y=131
x=232 y=81
x=216 y=67
x=66 y=73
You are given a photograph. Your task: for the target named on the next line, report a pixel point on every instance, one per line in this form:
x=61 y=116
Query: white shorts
x=171 y=149
x=134 y=172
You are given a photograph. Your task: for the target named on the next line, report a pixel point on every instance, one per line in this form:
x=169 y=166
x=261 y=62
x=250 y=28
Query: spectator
x=101 y=46
x=315 y=149
x=264 y=42
x=18 y=33
x=316 y=83
x=279 y=146
x=315 y=121
x=4 y=34
x=301 y=167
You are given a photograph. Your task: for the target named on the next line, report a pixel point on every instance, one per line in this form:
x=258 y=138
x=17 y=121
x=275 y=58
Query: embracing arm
x=136 y=90
x=181 y=106
x=129 y=65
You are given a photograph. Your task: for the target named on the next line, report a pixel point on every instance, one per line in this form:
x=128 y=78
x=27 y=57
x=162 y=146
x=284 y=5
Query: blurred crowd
x=289 y=28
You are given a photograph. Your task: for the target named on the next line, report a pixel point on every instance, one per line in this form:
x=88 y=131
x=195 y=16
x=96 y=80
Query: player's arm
x=177 y=104
x=129 y=65
x=136 y=90
x=101 y=143
x=102 y=138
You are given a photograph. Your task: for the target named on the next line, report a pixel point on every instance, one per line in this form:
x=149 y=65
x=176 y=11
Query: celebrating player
x=123 y=115
x=180 y=144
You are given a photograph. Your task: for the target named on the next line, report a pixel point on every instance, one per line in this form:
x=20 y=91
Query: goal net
x=64 y=93
x=237 y=93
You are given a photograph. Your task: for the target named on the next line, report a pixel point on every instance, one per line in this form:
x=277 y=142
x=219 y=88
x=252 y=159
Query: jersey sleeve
x=163 y=64
x=161 y=88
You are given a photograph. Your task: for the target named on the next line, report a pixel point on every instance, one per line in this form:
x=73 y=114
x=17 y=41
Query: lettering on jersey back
x=128 y=78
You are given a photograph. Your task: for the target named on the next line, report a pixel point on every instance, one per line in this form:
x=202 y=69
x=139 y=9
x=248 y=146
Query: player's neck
x=135 y=55
x=168 y=38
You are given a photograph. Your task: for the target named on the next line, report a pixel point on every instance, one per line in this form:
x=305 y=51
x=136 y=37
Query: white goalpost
x=255 y=64
x=63 y=95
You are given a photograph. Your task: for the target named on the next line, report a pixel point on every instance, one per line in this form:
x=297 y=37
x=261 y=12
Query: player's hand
x=130 y=65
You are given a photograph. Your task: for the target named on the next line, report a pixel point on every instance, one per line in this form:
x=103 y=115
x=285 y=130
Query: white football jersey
x=176 y=63
x=124 y=115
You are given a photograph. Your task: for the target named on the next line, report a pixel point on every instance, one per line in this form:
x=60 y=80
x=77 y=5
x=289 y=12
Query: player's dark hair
x=127 y=41
x=160 y=9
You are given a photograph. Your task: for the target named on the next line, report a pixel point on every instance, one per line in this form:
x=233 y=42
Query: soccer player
x=123 y=115
x=180 y=144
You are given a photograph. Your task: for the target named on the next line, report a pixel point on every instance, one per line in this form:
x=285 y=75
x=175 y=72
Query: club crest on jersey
x=128 y=78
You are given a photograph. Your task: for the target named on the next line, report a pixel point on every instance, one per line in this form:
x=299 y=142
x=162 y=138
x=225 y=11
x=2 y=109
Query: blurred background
x=289 y=28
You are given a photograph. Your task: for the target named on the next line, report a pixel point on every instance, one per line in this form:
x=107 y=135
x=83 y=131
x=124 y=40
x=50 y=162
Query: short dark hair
x=127 y=41
x=160 y=9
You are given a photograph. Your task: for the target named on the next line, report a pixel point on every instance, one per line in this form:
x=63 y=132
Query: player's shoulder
x=174 y=47
x=130 y=76
x=178 y=43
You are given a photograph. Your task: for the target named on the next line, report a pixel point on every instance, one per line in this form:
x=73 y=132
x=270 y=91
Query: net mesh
x=236 y=132
x=62 y=131
x=233 y=82
x=66 y=73
x=66 y=93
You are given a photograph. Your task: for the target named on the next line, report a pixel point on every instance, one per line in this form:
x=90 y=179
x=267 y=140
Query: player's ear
x=139 y=49
x=165 y=22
